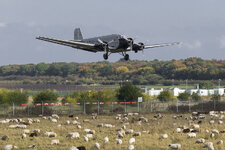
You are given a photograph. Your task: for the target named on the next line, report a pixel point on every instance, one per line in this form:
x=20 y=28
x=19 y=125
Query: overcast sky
x=199 y=24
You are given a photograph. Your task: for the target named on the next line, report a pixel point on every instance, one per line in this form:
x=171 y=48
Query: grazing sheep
x=86 y=120
x=215 y=131
x=75 y=122
x=108 y=125
x=50 y=134
x=178 y=130
x=106 y=140
x=212 y=135
x=220 y=122
x=123 y=127
x=118 y=118
x=130 y=131
x=55 y=142
x=85 y=139
x=55 y=116
x=79 y=126
x=73 y=135
x=211 y=121
x=36 y=131
x=97 y=145
x=220 y=142
x=120 y=134
x=67 y=122
x=90 y=136
x=73 y=148
x=54 y=120
x=131 y=140
x=201 y=140
x=137 y=134
x=175 y=146
x=81 y=148
x=76 y=118
x=191 y=135
x=119 y=141
x=26 y=131
x=100 y=125
x=23 y=136
x=165 y=136
x=59 y=125
x=5 y=137
x=10 y=146
x=31 y=146
x=131 y=147
x=33 y=134
x=209 y=145
x=44 y=117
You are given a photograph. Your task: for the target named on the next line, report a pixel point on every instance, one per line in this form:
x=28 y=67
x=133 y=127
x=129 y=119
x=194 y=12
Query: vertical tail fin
x=77 y=34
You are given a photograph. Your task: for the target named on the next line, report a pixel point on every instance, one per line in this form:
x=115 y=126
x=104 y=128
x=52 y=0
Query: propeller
x=105 y=44
x=130 y=41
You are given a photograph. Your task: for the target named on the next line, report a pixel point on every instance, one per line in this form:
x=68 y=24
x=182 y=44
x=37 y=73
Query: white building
x=203 y=92
x=191 y=91
x=176 y=91
x=155 y=92
x=219 y=91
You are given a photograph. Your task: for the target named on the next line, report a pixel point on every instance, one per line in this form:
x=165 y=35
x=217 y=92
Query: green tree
x=195 y=97
x=206 y=85
x=128 y=92
x=165 y=96
x=45 y=96
x=183 y=96
x=17 y=97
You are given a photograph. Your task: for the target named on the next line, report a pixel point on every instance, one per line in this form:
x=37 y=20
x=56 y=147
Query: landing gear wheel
x=105 y=56
x=126 y=57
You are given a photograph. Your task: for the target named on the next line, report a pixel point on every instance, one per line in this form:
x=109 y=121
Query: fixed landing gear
x=126 y=57
x=105 y=56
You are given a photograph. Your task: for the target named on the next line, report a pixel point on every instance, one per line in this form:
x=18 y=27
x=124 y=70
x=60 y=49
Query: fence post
x=13 y=109
x=125 y=105
x=42 y=108
x=151 y=106
x=138 y=106
x=177 y=105
x=98 y=107
x=84 y=108
x=189 y=105
x=214 y=104
x=28 y=113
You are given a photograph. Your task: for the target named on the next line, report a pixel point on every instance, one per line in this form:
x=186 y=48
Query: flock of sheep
x=128 y=129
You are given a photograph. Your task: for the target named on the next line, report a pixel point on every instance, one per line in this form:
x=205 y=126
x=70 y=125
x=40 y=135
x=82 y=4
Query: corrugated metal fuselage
x=115 y=41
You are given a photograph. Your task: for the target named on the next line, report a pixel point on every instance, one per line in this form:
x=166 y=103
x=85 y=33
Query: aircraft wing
x=73 y=44
x=161 y=45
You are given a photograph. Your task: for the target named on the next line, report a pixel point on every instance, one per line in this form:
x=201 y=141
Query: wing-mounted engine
x=138 y=47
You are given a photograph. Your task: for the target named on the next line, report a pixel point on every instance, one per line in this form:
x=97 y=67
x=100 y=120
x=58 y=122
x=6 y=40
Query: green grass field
x=149 y=140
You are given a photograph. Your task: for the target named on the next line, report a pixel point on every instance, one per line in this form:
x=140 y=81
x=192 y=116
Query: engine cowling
x=138 y=46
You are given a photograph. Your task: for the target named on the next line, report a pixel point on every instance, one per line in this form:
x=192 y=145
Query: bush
x=45 y=96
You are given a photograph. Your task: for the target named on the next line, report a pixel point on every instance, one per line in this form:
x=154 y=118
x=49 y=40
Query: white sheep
x=165 y=136
x=55 y=142
x=201 y=140
x=215 y=131
x=131 y=140
x=97 y=145
x=191 y=135
x=106 y=139
x=131 y=147
x=175 y=146
x=119 y=141
x=31 y=146
x=220 y=122
x=220 y=142
x=108 y=125
x=76 y=118
x=54 y=120
x=212 y=135
x=178 y=130
x=129 y=131
x=85 y=139
x=50 y=134
x=67 y=122
x=36 y=130
x=23 y=135
x=73 y=148
x=209 y=145
x=26 y=131
x=73 y=135
x=90 y=136
x=211 y=121
x=10 y=146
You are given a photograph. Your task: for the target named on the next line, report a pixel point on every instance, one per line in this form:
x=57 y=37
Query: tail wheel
x=105 y=56
x=126 y=57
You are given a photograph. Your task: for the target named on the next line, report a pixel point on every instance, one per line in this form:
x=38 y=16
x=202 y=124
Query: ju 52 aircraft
x=114 y=43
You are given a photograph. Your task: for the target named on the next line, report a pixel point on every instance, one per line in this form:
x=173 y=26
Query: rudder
x=77 y=34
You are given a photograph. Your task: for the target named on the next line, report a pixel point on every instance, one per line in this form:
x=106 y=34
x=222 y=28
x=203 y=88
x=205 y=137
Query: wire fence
x=86 y=107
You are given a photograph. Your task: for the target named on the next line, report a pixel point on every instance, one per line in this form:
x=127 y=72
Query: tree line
x=139 y=72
